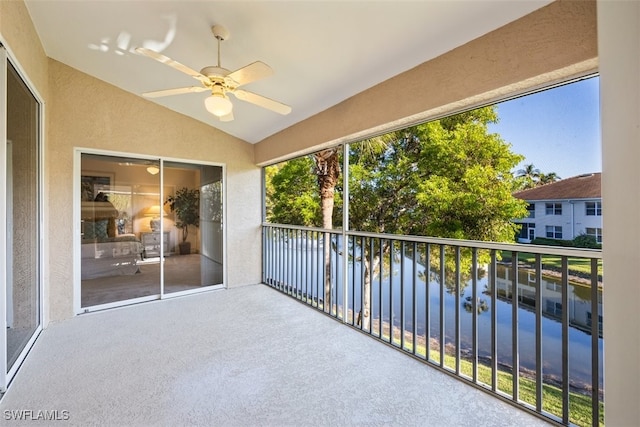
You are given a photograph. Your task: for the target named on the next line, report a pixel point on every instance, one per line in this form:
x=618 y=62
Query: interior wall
x=549 y=45
x=89 y=113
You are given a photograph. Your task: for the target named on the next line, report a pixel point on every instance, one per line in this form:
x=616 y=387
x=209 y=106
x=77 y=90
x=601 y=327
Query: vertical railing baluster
x=457 y=311
x=402 y=320
x=474 y=314
x=515 y=354
x=265 y=253
x=493 y=280
x=414 y=305
x=289 y=264
x=363 y=243
x=340 y=248
x=371 y=274
x=309 y=267
x=280 y=260
x=299 y=264
x=442 y=329
x=320 y=270
x=271 y=263
x=595 y=350
x=353 y=282
x=334 y=284
x=565 y=340
x=539 y=384
x=380 y=299
x=427 y=297
x=391 y=249
x=296 y=265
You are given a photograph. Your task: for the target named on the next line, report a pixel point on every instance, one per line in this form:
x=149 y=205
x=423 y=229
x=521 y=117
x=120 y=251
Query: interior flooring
x=181 y=273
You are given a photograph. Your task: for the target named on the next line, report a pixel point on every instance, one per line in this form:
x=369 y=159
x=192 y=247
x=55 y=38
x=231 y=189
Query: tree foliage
x=530 y=177
x=446 y=178
x=292 y=194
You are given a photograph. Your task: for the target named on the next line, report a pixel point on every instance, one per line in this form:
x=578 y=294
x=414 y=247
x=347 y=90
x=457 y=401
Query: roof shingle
x=586 y=186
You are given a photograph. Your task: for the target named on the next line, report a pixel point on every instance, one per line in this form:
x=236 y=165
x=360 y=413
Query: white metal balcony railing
x=523 y=322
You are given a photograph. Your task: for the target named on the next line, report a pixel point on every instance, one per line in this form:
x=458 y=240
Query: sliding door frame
x=77 y=260
x=6 y=58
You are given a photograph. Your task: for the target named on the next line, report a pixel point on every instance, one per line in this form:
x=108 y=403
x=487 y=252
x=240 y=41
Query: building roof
x=586 y=186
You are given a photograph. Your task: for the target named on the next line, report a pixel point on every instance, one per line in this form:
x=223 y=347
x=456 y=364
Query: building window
x=553 y=209
x=554 y=231
x=594 y=208
x=554 y=308
x=528 y=231
x=595 y=232
x=531 y=208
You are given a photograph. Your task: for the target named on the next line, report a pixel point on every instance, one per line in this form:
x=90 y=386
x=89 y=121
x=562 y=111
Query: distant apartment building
x=563 y=210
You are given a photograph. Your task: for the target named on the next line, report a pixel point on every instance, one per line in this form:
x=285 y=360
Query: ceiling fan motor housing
x=214 y=71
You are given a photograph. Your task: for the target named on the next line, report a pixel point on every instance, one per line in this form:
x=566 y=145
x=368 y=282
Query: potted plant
x=186 y=204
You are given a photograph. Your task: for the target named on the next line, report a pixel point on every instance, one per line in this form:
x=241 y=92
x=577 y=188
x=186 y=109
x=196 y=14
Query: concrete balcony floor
x=243 y=356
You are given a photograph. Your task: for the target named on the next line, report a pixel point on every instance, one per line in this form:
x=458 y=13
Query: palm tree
x=529 y=176
x=328 y=171
x=548 y=178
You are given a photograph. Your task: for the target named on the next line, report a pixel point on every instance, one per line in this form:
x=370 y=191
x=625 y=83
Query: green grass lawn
x=581 y=265
x=580 y=412
x=579 y=405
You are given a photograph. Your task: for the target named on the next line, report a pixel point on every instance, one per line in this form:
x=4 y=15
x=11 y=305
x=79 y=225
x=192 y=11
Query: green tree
x=446 y=178
x=291 y=194
x=548 y=178
x=531 y=177
x=528 y=177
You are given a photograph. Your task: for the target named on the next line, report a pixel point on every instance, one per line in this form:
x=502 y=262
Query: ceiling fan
x=220 y=82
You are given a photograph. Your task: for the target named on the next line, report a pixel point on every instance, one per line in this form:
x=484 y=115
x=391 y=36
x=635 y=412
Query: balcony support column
x=618 y=47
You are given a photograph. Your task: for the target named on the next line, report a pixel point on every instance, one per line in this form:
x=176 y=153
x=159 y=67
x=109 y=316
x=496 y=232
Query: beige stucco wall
x=548 y=45
x=619 y=48
x=89 y=113
x=20 y=38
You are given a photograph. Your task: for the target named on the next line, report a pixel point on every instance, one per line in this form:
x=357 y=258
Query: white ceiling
x=322 y=52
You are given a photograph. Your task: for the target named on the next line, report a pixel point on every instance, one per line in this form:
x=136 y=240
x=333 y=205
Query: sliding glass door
x=150 y=228
x=21 y=251
x=195 y=214
x=120 y=201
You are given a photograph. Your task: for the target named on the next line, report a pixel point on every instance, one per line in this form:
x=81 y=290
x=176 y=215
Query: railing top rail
x=515 y=247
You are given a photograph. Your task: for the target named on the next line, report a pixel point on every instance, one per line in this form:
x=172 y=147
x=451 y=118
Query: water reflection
x=402 y=282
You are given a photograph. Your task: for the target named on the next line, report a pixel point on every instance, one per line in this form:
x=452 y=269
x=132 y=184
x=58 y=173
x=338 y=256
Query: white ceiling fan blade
x=178 y=91
x=227 y=118
x=170 y=62
x=252 y=72
x=262 y=101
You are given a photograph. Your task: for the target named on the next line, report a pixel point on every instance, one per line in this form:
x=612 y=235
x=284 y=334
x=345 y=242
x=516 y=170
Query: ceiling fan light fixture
x=153 y=170
x=218 y=104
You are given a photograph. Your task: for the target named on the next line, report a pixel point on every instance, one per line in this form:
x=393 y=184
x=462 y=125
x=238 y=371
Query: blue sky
x=558 y=130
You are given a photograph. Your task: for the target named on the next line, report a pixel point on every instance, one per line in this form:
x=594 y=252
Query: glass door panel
x=120 y=216
x=194 y=226
x=23 y=313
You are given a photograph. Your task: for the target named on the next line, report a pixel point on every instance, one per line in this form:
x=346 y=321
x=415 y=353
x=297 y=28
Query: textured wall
x=89 y=113
x=619 y=46
x=19 y=36
x=546 y=46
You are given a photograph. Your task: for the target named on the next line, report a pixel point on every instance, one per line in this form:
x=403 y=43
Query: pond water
x=306 y=258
